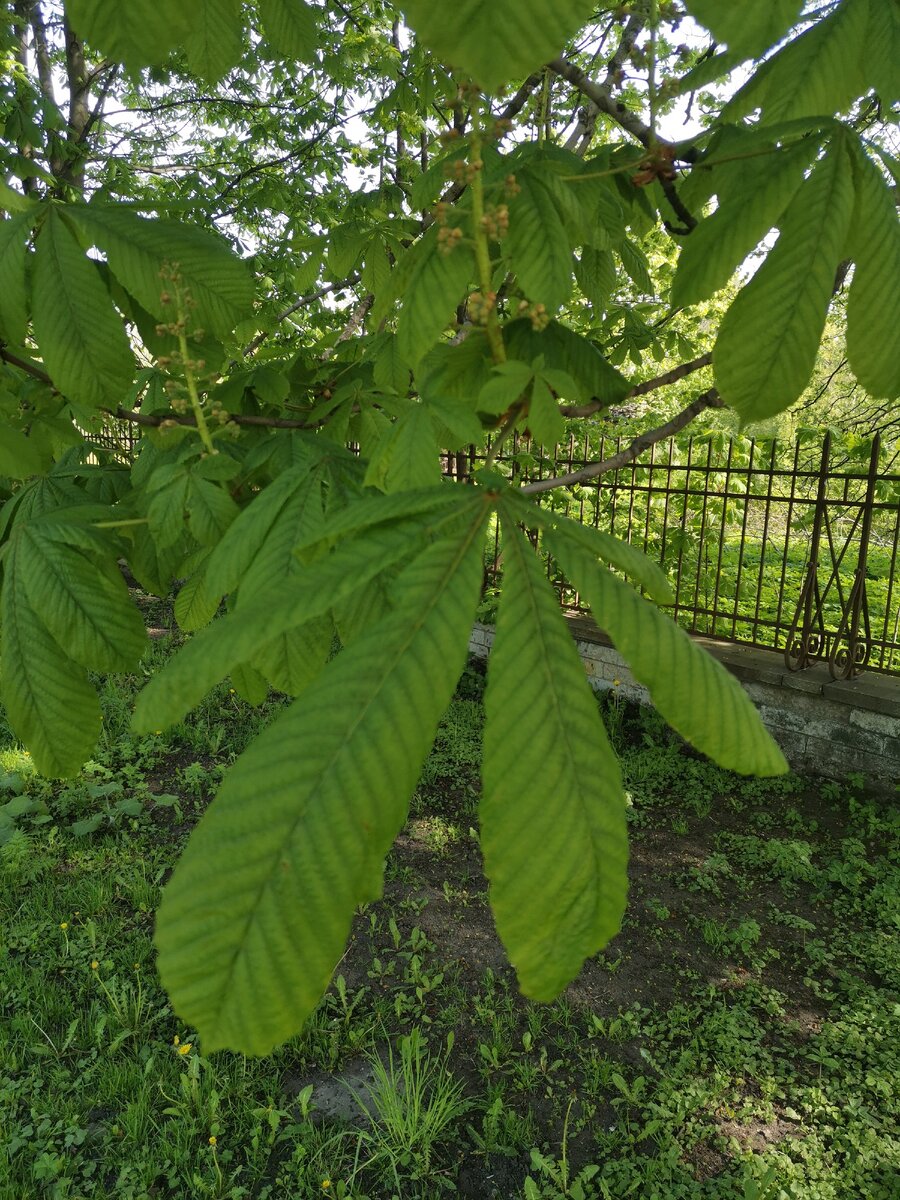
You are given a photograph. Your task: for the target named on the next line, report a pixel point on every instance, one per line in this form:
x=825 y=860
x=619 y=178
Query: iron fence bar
x=684 y=512
x=797 y=653
x=890 y=592
x=845 y=664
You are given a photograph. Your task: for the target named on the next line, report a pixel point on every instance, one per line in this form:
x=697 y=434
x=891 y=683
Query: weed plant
x=737 y=1041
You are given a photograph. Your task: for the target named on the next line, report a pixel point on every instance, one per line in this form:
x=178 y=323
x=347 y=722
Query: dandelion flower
x=186 y=1048
x=64 y=925
x=176 y=1040
x=326 y=1184
x=94 y=965
x=212 y=1140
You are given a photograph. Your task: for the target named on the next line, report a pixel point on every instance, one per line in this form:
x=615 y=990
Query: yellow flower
x=231 y=690
x=94 y=965
x=212 y=1140
x=326 y=1184
x=64 y=924
x=186 y=1048
x=616 y=682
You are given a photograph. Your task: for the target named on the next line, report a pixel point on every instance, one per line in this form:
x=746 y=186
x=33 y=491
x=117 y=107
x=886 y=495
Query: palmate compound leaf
x=259 y=908
x=873 y=308
x=81 y=339
x=65 y=608
x=622 y=555
x=238 y=637
x=552 y=814
x=694 y=693
x=498 y=41
x=722 y=241
x=767 y=343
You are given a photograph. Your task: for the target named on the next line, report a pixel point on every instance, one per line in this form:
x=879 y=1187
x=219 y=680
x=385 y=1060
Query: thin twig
x=309 y=298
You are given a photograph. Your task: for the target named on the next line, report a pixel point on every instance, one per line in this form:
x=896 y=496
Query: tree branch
x=580 y=138
x=641 y=389
x=709 y=399
x=601 y=96
x=155 y=420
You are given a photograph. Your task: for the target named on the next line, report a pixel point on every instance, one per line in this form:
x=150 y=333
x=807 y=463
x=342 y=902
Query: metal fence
x=788 y=547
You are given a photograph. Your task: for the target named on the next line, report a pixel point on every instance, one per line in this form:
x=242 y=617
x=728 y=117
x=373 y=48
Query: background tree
x=441 y=228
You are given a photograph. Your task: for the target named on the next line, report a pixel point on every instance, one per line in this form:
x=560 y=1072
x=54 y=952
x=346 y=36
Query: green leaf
x=767 y=343
x=290 y=27
x=210 y=510
x=552 y=814
x=504 y=40
x=537 y=245
x=51 y=706
x=694 y=693
x=457 y=371
x=19 y=456
x=267 y=562
x=13 y=256
x=375 y=273
x=85 y=607
x=565 y=350
x=194 y=606
x=627 y=558
x=438 y=284
x=249 y=684
x=747 y=28
x=238 y=637
x=721 y=242
x=407 y=456
x=506 y=385
x=882 y=50
x=82 y=341
x=64 y=609
x=455 y=423
x=816 y=74
x=214 y=44
x=142 y=34
x=389 y=369
x=246 y=551
x=220 y=285
x=259 y=908
x=545 y=421
x=873 y=308
x=636 y=267
x=596 y=275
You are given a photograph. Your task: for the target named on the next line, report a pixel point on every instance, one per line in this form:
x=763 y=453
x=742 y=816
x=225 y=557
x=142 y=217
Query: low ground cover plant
x=738 y=1039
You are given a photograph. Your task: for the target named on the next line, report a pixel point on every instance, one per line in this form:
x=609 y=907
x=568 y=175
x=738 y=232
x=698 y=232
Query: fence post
x=849 y=652
x=806 y=636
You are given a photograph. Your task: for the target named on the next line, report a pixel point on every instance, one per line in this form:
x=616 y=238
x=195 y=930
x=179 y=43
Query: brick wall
x=823 y=726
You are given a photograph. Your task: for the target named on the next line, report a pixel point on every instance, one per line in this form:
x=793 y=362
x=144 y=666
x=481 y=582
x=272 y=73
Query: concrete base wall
x=823 y=726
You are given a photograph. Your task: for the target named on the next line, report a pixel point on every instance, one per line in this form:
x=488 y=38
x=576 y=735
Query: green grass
x=737 y=1041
